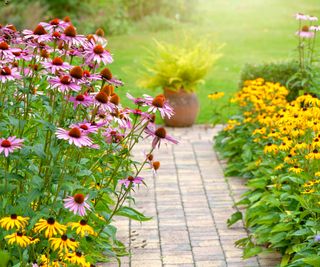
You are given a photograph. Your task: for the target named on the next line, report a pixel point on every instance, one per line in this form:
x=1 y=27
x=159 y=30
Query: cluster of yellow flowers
x=66 y=247
x=288 y=130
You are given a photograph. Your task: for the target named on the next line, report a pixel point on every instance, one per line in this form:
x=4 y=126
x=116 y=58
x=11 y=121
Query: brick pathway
x=190 y=201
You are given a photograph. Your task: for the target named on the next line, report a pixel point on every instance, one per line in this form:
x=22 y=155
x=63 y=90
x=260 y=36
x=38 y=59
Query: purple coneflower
x=138 y=101
x=102 y=100
x=56 y=65
x=77 y=204
x=159 y=134
x=96 y=53
x=6 y=52
x=81 y=99
x=71 y=37
x=315 y=28
x=300 y=16
x=159 y=103
x=305 y=33
x=9 y=145
x=313 y=18
x=64 y=83
x=7 y=74
x=113 y=135
x=99 y=37
x=74 y=136
x=39 y=34
x=106 y=75
x=55 y=24
x=131 y=181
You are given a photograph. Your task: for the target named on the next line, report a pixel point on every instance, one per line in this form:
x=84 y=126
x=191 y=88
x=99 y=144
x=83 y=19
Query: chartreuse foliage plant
x=275 y=144
x=66 y=147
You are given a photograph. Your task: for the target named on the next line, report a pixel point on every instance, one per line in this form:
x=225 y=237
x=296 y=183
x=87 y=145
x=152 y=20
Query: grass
x=253 y=31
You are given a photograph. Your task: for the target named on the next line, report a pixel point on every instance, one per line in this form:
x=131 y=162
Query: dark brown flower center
x=6 y=143
x=83 y=222
x=84 y=127
x=19 y=234
x=106 y=73
x=44 y=53
x=78 y=198
x=130 y=178
x=12 y=27
x=17 y=54
x=108 y=89
x=57 y=61
x=56 y=35
x=78 y=254
x=64 y=237
x=315 y=151
x=51 y=221
x=158 y=101
x=76 y=72
x=5 y=71
x=86 y=73
x=156 y=165
x=14 y=216
x=75 y=132
x=115 y=99
x=102 y=97
x=70 y=31
x=79 y=97
x=39 y=30
x=98 y=49
x=161 y=132
x=54 y=21
x=100 y=32
x=67 y=19
x=4 y=46
x=65 y=79
x=150 y=157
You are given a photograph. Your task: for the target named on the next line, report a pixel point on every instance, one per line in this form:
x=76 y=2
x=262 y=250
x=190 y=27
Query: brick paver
x=190 y=201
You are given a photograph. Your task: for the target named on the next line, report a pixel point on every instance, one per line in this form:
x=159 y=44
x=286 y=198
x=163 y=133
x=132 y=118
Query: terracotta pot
x=185 y=106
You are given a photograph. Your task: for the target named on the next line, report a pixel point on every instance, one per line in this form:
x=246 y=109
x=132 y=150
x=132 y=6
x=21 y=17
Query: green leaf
x=5 y=258
x=285 y=259
x=251 y=251
x=132 y=214
x=234 y=218
x=312 y=260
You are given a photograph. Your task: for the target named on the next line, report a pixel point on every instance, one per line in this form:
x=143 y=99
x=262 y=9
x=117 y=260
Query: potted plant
x=179 y=69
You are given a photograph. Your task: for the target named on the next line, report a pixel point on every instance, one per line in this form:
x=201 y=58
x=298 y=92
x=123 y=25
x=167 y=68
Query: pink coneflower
x=74 y=136
x=106 y=75
x=300 y=16
x=55 y=24
x=159 y=134
x=99 y=37
x=101 y=99
x=22 y=54
x=131 y=181
x=86 y=127
x=7 y=74
x=113 y=135
x=138 y=101
x=305 y=33
x=96 y=53
x=315 y=28
x=64 y=83
x=77 y=204
x=39 y=34
x=82 y=99
x=9 y=145
x=6 y=52
x=313 y=18
x=71 y=37
x=56 y=65
x=159 y=103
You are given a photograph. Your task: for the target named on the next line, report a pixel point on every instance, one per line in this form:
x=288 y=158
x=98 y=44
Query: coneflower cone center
x=161 y=132
x=78 y=198
x=6 y=143
x=76 y=72
x=130 y=178
x=4 y=46
x=106 y=73
x=98 y=49
x=57 y=61
x=156 y=165
x=150 y=157
x=39 y=30
x=84 y=127
x=75 y=132
x=65 y=80
x=56 y=34
x=115 y=99
x=54 y=21
x=70 y=31
x=79 y=97
x=108 y=89
x=102 y=97
x=305 y=28
x=158 y=101
x=13 y=216
x=51 y=221
x=5 y=71
x=100 y=32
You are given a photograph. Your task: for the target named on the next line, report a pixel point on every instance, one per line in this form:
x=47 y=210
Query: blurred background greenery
x=253 y=31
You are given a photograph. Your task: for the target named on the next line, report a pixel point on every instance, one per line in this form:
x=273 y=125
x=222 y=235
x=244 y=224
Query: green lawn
x=253 y=31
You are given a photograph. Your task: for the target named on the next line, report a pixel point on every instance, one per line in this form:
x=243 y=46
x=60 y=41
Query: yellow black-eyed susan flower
x=14 y=221
x=270 y=148
x=50 y=226
x=76 y=258
x=82 y=228
x=296 y=169
x=18 y=238
x=308 y=191
x=63 y=243
x=216 y=95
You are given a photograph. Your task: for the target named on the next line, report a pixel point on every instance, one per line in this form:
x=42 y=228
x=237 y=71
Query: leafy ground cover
x=252 y=31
